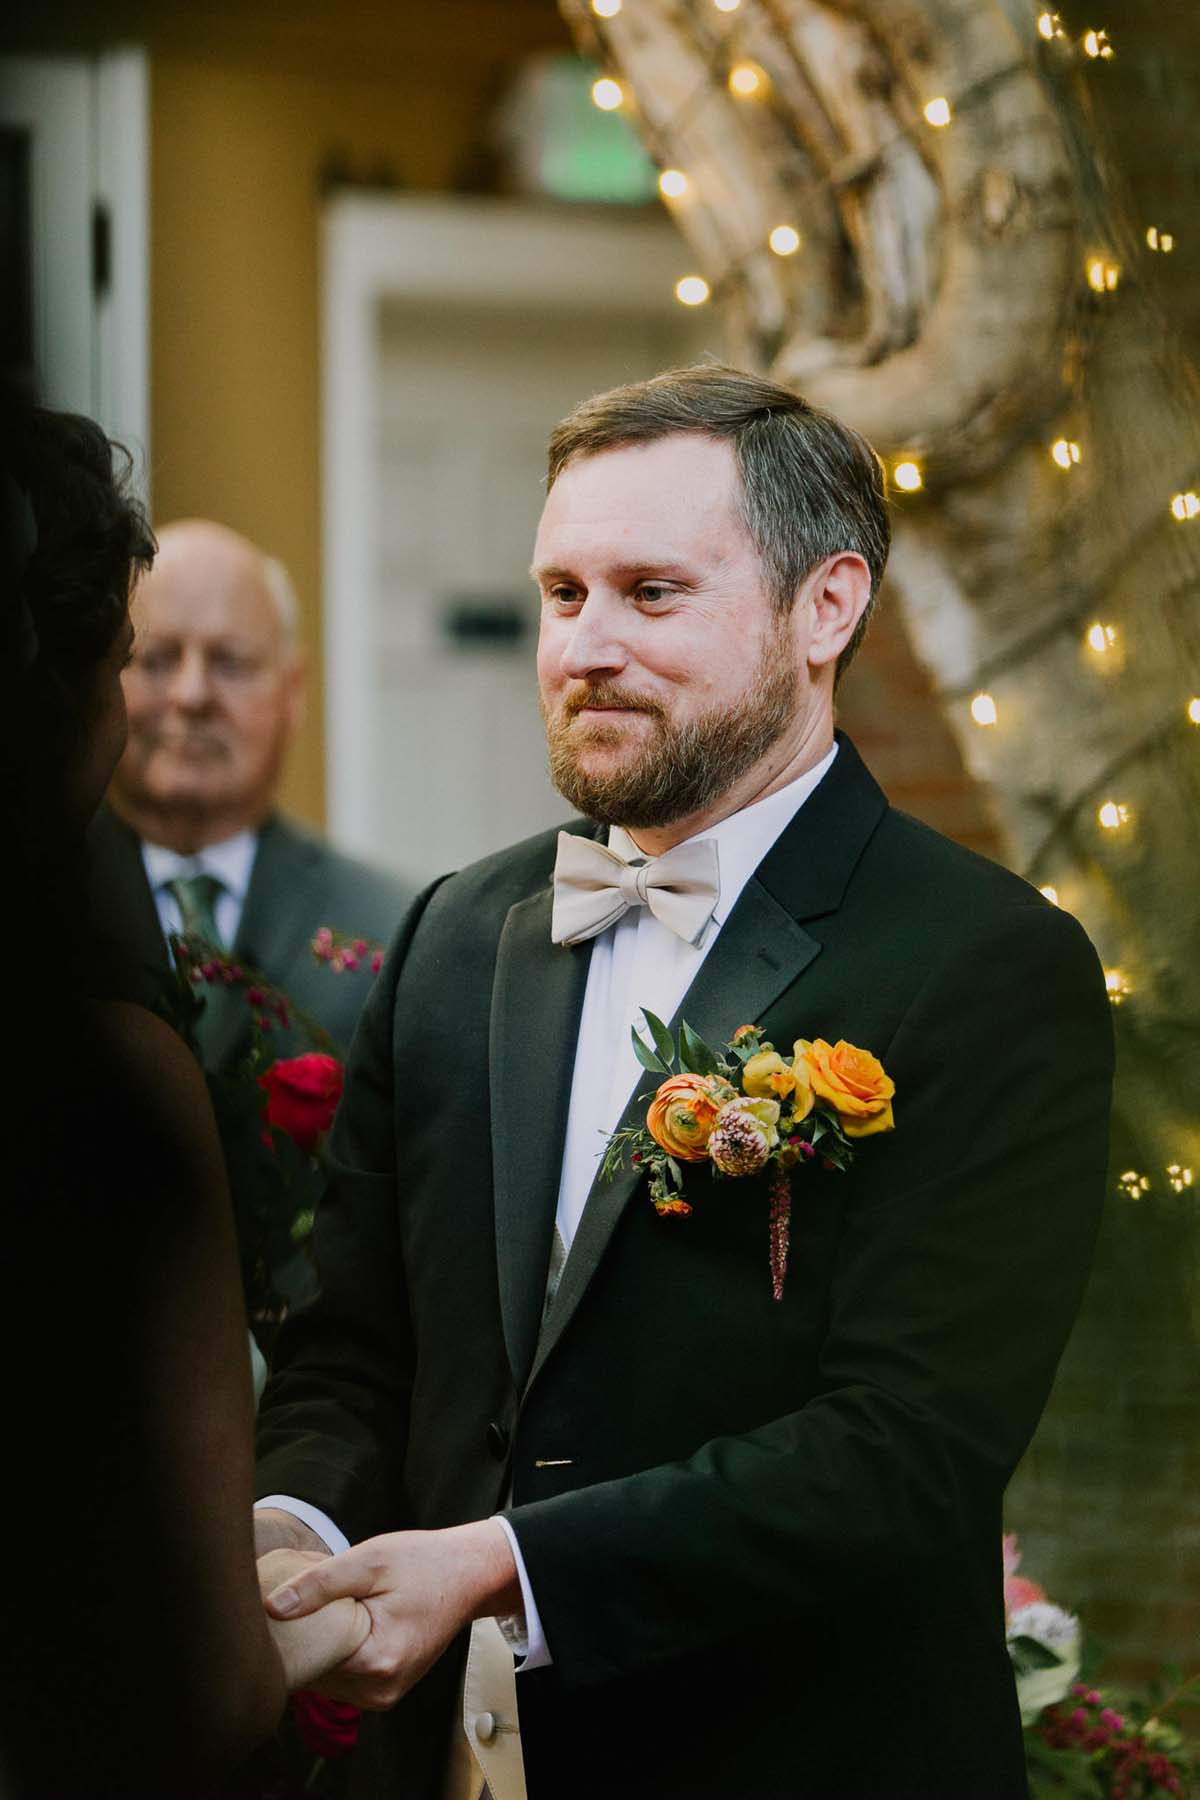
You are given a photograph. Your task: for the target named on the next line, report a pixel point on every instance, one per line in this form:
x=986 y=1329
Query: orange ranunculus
x=854 y=1083
x=683 y=1112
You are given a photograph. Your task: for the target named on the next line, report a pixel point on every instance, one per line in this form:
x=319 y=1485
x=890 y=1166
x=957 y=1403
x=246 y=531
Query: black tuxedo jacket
x=296 y=885
x=764 y=1538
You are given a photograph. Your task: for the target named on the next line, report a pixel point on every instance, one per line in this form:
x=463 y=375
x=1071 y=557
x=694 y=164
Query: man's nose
x=595 y=643
x=191 y=684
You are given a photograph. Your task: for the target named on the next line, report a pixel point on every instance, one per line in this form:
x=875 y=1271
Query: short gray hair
x=278 y=584
x=810 y=486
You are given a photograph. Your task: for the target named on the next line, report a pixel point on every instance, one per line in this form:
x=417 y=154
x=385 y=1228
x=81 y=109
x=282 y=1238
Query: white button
x=485 y=1727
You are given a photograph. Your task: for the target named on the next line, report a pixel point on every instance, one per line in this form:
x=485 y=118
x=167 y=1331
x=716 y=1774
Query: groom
x=742 y=1547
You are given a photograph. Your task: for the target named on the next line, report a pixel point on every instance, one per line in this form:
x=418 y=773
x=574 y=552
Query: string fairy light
x=1116 y=987
x=673 y=184
x=1066 y=453
x=983 y=710
x=1049 y=893
x=1133 y=1185
x=746 y=80
x=1097 y=45
x=1185 y=506
x=727 y=6
x=784 y=240
x=692 y=290
x=1103 y=276
x=1179 y=1178
x=1162 y=241
x=908 y=476
x=1050 y=26
x=1102 y=638
x=1193 y=710
x=607 y=94
x=1113 y=814
x=938 y=112
x=606 y=9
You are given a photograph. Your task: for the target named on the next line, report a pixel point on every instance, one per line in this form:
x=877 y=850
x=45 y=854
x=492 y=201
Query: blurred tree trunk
x=952 y=298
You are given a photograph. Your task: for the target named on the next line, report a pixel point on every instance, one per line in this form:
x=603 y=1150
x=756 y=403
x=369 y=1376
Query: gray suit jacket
x=297 y=884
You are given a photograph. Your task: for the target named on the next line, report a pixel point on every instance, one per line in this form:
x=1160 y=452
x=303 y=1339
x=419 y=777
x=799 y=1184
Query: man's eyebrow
x=641 y=565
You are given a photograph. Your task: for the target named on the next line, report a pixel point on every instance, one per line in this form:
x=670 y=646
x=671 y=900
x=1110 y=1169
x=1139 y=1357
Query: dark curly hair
x=76 y=538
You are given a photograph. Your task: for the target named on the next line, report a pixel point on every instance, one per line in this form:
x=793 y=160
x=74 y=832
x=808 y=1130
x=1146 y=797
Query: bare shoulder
x=154 y=1082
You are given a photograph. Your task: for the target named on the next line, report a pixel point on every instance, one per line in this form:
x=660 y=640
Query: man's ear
x=295 y=690
x=837 y=598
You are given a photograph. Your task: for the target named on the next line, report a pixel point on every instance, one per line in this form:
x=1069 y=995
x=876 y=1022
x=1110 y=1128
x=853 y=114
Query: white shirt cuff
x=524 y=1636
x=335 y=1541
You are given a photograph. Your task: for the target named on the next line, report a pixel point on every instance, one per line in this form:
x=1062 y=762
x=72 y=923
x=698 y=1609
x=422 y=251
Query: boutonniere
x=747 y=1110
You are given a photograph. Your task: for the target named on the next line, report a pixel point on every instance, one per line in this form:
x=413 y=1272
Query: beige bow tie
x=593 y=887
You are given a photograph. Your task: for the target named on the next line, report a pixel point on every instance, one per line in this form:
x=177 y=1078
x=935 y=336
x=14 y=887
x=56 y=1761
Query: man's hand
x=419 y=1588
x=310 y=1646
x=275 y=1529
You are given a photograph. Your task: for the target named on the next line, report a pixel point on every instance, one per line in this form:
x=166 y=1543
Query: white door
x=74 y=141
x=441 y=725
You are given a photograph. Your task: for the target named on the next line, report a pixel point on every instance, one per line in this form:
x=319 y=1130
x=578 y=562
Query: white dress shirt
x=230 y=862
x=636 y=963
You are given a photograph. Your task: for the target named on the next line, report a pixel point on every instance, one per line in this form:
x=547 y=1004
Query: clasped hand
x=366 y=1625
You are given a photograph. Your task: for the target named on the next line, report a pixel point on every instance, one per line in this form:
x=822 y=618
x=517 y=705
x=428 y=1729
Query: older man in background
x=191 y=840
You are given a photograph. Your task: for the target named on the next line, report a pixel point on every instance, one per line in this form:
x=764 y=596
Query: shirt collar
x=230 y=861
x=744 y=838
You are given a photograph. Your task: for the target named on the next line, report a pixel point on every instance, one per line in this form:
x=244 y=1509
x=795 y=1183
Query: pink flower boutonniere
x=747 y=1110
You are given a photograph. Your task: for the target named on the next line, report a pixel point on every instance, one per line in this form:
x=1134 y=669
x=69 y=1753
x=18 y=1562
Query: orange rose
x=682 y=1114
x=852 y=1081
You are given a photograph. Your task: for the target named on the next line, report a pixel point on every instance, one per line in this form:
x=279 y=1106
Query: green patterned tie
x=197 y=897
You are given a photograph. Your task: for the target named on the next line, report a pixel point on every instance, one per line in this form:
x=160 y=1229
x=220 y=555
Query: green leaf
x=646 y=1055
x=664 y=1043
x=695 y=1054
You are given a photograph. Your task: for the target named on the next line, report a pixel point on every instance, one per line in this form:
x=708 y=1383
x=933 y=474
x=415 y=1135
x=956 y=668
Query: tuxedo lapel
x=536 y=1004
x=761 y=951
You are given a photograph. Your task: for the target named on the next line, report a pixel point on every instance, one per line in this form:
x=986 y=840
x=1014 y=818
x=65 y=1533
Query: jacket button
x=497 y=1441
x=485 y=1727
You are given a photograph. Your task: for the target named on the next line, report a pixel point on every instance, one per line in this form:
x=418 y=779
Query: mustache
x=196 y=743
x=608 y=695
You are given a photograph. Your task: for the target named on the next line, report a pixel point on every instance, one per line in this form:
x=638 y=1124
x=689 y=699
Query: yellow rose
x=767 y=1074
x=803 y=1098
x=854 y=1083
x=682 y=1115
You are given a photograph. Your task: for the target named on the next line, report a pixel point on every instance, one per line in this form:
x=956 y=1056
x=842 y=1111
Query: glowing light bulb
x=673 y=183
x=1193 y=711
x=1178 y=1177
x=1049 y=26
x=1096 y=44
x=908 y=477
x=1102 y=638
x=1103 y=276
x=1049 y=893
x=1185 y=506
x=1113 y=814
x=1066 y=453
x=727 y=5
x=607 y=94
x=1116 y=986
x=1133 y=1185
x=784 y=240
x=745 y=80
x=606 y=9
x=937 y=112
x=983 y=710
x=693 y=290
x=1162 y=241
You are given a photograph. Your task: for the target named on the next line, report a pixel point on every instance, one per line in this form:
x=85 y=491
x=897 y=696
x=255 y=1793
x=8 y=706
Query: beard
x=681 y=768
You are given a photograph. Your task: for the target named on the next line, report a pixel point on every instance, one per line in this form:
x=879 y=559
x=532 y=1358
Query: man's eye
x=154 y=662
x=564 y=596
x=653 y=591
x=232 y=666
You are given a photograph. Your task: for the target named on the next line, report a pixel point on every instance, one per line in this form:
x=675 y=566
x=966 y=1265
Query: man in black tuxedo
x=739 y=1546
x=191 y=839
